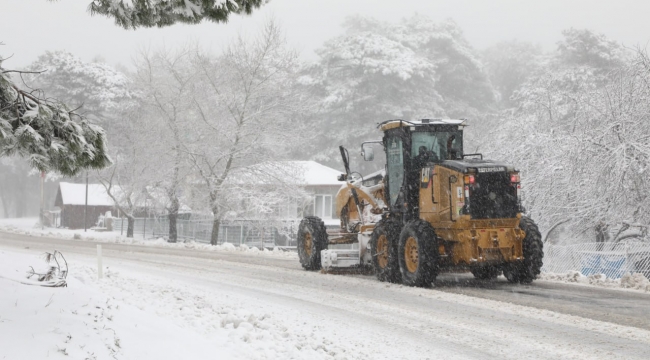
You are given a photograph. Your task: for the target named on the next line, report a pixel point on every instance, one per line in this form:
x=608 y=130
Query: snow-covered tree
x=415 y=68
x=578 y=134
x=108 y=97
x=247 y=106
x=582 y=47
x=167 y=81
x=611 y=148
x=96 y=89
x=149 y=13
x=215 y=117
x=132 y=170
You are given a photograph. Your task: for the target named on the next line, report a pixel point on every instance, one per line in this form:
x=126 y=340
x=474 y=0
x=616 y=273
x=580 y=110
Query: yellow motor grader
x=433 y=209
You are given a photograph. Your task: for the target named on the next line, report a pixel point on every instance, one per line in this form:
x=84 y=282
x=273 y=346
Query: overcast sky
x=30 y=27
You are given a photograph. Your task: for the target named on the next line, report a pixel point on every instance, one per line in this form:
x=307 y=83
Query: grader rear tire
x=383 y=248
x=527 y=271
x=418 y=253
x=312 y=238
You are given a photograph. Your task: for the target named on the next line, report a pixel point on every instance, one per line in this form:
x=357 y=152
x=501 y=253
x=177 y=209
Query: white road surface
x=299 y=314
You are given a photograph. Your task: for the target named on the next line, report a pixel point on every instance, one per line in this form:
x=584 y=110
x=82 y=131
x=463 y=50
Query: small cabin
x=71 y=199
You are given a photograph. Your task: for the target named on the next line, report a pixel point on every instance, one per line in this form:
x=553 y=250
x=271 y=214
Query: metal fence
x=250 y=232
x=613 y=260
x=142 y=227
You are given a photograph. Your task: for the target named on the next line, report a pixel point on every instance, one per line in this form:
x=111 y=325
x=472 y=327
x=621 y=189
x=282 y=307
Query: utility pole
x=86 y=206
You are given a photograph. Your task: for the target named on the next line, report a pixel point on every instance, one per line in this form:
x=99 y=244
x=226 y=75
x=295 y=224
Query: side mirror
x=368 y=153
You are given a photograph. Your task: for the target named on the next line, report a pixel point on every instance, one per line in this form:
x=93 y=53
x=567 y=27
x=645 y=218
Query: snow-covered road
x=290 y=313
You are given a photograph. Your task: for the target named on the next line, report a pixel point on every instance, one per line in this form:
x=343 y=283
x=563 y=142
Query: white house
x=277 y=196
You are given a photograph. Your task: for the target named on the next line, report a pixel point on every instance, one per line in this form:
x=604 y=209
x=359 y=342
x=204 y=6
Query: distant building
x=321 y=182
x=315 y=181
x=298 y=188
x=71 y=199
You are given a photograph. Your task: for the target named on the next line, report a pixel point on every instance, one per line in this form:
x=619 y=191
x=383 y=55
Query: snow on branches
x=46 y=132
x=216 y=114
x=98 y=87
x=580 y=136
x=132 y=14
x=414 y=68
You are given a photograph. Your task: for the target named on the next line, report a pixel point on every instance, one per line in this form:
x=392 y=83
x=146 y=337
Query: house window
x=323 y=206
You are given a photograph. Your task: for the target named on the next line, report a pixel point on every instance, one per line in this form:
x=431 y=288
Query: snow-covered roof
x=301 y=173
x=75 y=194
x=317 y=174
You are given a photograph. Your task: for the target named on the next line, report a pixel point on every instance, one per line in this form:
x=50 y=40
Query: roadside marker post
x=99 y=262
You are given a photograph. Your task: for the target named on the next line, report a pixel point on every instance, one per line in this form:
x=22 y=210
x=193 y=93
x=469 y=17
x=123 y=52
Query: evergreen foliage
x=132 y=14
x=46 y=132
x=101 y=90
x=415 y=68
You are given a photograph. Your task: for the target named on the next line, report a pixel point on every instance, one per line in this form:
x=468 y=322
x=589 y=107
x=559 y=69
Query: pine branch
x=46 y=132
x=147 y=13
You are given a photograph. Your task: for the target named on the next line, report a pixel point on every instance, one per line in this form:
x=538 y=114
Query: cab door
x=394 y=168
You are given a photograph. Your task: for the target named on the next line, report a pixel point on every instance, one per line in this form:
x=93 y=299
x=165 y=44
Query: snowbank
x=29 y=226
x=137 y=315
x=636 y=281
x=84 y=321
x=241 y=325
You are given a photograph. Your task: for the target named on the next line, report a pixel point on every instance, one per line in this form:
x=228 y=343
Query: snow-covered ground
x=162 y=307
x=88 y=320
x=131 y=315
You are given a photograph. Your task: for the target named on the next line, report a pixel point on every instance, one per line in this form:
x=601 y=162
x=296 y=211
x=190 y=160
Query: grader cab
x=433 y=209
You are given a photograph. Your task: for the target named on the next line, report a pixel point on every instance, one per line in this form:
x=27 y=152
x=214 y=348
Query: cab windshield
x=437 y=146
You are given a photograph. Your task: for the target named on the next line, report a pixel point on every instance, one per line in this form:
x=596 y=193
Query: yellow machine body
x=465 y=241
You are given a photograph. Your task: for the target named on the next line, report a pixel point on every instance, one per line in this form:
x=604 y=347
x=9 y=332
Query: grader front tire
x=531 y=266
x=418 y=253
x=383 y=248
x=312 y=238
